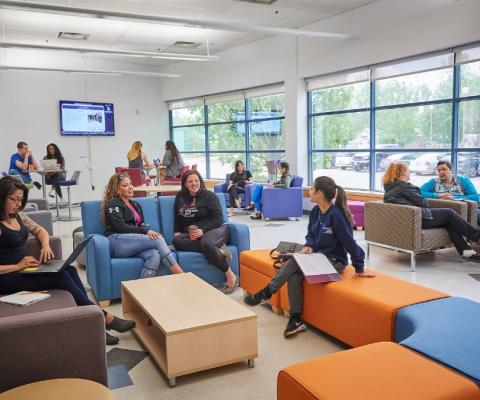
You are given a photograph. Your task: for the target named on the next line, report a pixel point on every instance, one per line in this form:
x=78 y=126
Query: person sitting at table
x=15 y=227
x=449 y=186
x=238 y=179
x=22 y=162
x=138 y=159
x=172 y=161
x=52 y=178
x=126 y=230
x=199 y=227
x=283 y=183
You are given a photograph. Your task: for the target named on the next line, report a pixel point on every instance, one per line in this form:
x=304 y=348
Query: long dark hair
x=58 y=154
x=237 y=163
x=8 y=186
x=185 y=176
x=331 y=191
x=170 y=145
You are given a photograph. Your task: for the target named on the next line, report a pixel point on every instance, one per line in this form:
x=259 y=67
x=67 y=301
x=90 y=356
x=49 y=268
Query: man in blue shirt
x=449 y=186
x=22 y=162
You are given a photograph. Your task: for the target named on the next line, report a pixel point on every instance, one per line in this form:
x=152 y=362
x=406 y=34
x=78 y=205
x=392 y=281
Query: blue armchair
x=105 y=274
x=283 y=203
x=223 y=188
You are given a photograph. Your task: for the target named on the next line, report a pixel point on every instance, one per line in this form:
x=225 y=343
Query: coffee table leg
x=251 y=363
x=172 y=382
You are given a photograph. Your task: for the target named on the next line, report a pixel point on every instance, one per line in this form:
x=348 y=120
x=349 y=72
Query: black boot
x=111 y=340
x=120 y=325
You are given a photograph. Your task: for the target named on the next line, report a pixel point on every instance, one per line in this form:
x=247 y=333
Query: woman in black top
x=238 y=179
x=52 y=178
x=15 y=227
x=399 y=191
x=198 y=226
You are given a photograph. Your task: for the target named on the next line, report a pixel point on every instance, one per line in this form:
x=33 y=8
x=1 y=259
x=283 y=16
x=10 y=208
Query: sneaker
x=256 y=216
x=250 y=207
x=294 y=326
x=258 y=298
x=111 y=340
x=475 y=258
x=120 y=325
x=37 y=185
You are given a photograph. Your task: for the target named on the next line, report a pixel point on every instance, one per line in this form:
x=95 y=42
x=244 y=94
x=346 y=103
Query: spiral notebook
x=24 y=298
x=316 y=267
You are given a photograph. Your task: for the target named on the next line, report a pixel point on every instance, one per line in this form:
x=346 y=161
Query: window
x=407 y=112
x=247 y=126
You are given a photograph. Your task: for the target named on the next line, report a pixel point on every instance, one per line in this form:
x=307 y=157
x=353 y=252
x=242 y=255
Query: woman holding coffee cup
x=198 y=226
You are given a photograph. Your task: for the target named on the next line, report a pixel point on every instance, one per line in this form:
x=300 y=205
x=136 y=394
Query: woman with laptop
x=55 y=155
x=15 y=226
x=329 y=232
x=126 y=230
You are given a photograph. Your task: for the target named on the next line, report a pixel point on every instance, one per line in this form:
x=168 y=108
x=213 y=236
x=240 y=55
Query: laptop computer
x=55 y=266
x=49 y=165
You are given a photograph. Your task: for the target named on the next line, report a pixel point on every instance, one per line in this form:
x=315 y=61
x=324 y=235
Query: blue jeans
x=257 y=197
x=24 y=175
x=151 y=251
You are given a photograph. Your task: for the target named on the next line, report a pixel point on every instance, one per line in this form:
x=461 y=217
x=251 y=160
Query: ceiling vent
x=73 y=36
x=186 y=45
x=259 y=1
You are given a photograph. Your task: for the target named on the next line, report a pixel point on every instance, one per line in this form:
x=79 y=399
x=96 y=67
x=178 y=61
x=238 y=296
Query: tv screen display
x=85 y=118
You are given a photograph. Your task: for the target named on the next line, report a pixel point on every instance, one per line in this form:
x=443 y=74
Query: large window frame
x=246 y=121
x=454 y=101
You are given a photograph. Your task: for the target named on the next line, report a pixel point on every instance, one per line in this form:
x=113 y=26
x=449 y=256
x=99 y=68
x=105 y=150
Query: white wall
x=380 y=31
x=29 y=111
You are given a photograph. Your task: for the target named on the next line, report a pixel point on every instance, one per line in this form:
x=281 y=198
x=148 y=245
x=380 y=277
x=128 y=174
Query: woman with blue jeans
x=283 y=183
x=127 y=233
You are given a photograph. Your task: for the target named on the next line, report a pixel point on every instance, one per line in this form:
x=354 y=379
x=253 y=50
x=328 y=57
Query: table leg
x=251 y=362
x=172 y=382
x=44 y=189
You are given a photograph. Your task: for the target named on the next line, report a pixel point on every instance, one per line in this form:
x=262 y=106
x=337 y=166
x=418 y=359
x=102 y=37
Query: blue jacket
x=334 y=237
x=429 y=189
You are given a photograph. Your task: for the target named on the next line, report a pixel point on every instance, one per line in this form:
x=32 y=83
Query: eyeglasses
x=15 y=200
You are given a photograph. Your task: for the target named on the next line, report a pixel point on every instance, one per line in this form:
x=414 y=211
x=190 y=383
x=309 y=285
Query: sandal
x=231 y=289
x=250 y=207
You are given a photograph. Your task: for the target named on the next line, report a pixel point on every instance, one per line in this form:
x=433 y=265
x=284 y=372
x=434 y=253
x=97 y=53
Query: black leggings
x=53 y=180
x=209 y=245
x=67 y=280
x=233 y=192
x=455 y=225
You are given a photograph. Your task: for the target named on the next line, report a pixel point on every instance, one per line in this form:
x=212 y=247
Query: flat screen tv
x=86 y=118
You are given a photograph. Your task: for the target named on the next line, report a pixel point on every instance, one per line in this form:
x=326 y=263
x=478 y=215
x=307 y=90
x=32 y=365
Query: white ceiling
x=42 y=28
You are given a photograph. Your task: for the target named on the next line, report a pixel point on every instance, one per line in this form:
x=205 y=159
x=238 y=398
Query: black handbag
x=283 y=251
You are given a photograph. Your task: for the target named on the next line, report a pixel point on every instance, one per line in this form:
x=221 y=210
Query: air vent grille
x=259 y=1
x=73 y=36
x=185 y=45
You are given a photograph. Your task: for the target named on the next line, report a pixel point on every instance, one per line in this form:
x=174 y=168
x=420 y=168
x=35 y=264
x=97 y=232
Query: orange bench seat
x=380 y=371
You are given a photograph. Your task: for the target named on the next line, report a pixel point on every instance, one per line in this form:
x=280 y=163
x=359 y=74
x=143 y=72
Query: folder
x=316 y=267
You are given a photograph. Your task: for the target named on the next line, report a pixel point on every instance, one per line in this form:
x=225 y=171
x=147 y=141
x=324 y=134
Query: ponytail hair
x=331 y=191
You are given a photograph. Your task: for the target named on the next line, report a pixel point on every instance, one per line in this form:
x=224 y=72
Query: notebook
x=54 y=266
x=24 y=298
x=316 y=267
x=49 y=165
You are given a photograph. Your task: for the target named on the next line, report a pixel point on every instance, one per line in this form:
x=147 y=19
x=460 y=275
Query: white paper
x=24 y=298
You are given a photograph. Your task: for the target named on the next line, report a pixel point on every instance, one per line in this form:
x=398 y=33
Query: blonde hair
x=135 y=151
x=111 y=190
x=396 y=170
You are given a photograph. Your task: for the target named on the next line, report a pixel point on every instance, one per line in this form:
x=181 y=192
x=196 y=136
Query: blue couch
x=105 y=274
x=223 y=188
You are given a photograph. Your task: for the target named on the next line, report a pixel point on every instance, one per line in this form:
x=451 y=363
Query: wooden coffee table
x=187 y=325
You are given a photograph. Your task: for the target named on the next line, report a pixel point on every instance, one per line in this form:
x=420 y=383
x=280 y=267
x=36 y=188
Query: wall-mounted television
x=86 y=118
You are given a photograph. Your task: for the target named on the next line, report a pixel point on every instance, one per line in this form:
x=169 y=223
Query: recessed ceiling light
x=73 y=36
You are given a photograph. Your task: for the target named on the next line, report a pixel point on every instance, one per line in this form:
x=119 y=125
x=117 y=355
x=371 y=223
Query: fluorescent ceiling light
x=90 y=72
x=101 y=14
x=129 y=53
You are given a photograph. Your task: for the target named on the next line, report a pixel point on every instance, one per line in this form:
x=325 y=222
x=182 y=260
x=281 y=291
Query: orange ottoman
x=256 y=270
x=380 y=371
x=360 y=311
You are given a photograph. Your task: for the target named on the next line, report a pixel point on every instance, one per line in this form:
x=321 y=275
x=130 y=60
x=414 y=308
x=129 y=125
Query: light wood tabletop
x=59 y=389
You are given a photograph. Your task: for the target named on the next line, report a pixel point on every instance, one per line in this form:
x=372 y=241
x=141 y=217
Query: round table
x=59 y=389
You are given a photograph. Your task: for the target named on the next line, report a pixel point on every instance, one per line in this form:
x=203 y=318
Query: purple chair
x=283 y=203
x=223 y=188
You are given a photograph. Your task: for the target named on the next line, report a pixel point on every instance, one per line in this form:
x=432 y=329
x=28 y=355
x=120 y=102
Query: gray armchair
x=39 y=343
x=44 y=219
x=399 y=227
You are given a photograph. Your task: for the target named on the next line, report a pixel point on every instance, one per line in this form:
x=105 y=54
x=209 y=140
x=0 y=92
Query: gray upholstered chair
x=399 y=227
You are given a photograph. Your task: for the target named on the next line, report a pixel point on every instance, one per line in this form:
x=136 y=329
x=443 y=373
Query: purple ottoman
x=357 y=210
